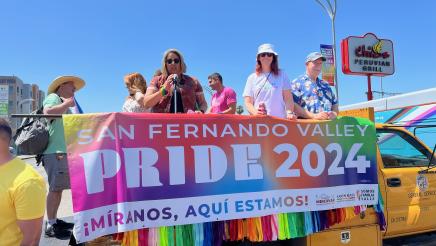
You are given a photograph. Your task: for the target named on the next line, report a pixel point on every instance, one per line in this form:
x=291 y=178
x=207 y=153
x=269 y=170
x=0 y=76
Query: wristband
x=163 y=91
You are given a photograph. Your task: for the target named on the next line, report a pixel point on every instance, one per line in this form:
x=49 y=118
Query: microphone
x=175 y=79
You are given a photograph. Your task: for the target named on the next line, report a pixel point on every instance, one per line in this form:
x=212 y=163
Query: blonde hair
x=164 y=69
x=136 y=81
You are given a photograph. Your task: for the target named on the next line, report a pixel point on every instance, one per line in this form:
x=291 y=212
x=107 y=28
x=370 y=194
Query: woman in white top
x=268 y=89
x=136 y=85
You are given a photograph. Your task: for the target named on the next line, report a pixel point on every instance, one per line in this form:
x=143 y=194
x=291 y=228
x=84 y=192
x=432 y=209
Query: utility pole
x=330 y=8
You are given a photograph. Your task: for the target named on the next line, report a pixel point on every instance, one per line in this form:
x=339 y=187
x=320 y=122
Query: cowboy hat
x=78 y=83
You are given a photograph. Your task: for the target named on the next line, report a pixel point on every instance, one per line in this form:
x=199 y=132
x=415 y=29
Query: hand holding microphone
x=174 y=82
x=168 y=85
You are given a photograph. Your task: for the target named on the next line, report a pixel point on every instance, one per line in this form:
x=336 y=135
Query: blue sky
x=101 y=41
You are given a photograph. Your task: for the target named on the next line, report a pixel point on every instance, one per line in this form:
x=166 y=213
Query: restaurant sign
x=367 y=55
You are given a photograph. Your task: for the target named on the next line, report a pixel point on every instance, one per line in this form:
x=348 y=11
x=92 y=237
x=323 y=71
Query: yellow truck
x=408 y=186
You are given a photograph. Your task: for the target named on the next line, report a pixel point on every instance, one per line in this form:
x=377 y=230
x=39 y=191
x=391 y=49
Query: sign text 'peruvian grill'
x=367 y=55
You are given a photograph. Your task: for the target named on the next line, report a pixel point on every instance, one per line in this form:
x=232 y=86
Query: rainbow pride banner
x=328 y=67
x=131 y=171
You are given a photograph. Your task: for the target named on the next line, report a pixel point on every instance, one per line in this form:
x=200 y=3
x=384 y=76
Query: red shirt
x=190 y=89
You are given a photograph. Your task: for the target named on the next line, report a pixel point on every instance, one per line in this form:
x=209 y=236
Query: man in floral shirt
x=313 y=97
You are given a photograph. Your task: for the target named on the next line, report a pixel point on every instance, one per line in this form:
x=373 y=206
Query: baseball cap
x=314 y=56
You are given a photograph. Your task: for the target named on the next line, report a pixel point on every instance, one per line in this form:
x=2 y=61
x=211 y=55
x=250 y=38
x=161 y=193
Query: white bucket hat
x=266 y=48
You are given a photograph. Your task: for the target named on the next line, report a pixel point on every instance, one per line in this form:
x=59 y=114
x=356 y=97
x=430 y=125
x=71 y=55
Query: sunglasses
x=266 y=54
x=171 y=61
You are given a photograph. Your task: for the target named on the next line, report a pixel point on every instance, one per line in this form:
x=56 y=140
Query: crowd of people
x=268 y=91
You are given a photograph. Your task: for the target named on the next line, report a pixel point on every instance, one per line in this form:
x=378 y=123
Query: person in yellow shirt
x=22 y=196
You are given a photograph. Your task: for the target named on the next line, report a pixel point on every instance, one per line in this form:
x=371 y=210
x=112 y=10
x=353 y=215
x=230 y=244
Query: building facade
x=27 y=99
x=17 y=97
x=38 y=97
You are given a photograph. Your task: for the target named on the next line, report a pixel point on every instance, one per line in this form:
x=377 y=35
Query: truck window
x=398 y=149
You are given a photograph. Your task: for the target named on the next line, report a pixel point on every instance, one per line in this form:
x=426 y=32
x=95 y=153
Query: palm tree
x=239 y=109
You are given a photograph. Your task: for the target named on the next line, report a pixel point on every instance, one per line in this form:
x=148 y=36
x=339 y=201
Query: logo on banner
x=365 y=195
x=324 y=199
x=422 y=182
x=346 y=197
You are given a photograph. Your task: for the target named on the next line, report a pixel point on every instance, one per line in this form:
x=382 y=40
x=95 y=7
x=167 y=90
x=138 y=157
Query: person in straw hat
x=60 y=98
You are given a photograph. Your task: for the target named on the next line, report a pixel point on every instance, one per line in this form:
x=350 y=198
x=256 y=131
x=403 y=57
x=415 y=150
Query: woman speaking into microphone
x=173 y=91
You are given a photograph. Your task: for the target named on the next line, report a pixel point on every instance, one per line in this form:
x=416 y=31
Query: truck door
x=410 y=202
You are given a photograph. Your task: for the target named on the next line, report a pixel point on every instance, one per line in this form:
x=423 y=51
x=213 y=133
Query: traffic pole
x=369 y=88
